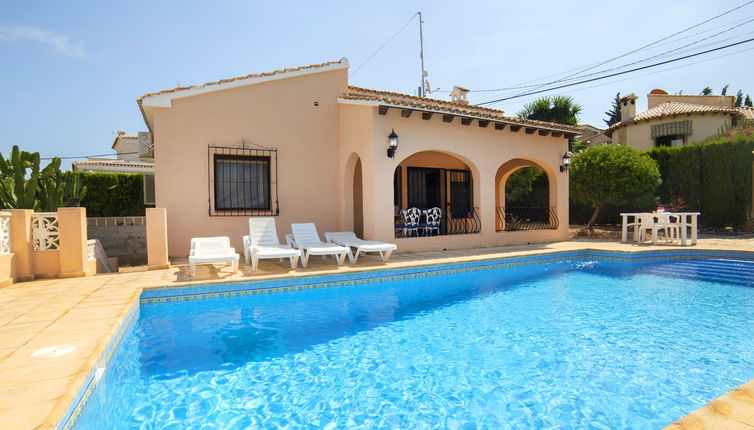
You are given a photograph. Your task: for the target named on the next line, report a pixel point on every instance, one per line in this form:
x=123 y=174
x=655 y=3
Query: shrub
x=112 y=194
x=712 y=177
x=613 y=175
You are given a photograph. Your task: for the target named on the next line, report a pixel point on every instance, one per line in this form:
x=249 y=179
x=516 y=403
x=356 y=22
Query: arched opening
x=525 y=197
x=358 y=200
x=433 y=195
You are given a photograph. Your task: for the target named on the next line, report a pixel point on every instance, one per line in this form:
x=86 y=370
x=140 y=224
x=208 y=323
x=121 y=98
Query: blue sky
x=71 y=71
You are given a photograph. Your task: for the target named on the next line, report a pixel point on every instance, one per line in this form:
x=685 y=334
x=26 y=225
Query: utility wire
x=522 y=84
x=618 y=73
x=653 y=43
x=386 y=43
x=87 y=156
x=635 y=77
x=678 y=50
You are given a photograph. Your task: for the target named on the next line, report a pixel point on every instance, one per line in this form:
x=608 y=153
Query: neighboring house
x=303 y=146
x=590 y=135
x=133 y=155
x=674 y=120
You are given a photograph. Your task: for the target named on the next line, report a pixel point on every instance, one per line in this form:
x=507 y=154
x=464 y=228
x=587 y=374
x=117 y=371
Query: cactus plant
x=46 y=189
x=16 y=191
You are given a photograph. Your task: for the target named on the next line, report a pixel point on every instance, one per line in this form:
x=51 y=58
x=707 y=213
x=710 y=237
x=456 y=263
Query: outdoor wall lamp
x=392 y=144
x=566 y=162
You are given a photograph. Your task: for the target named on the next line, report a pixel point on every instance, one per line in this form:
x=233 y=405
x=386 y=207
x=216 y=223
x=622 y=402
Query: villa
x=302 y=145
x=674 y=119
x=566 y=334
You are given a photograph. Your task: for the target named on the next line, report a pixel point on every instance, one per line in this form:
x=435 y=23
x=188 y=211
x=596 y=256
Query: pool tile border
x=166 y=294
x=214 y=291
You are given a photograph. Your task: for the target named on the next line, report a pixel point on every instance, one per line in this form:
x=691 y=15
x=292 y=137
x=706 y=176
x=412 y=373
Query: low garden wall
x=122 y=237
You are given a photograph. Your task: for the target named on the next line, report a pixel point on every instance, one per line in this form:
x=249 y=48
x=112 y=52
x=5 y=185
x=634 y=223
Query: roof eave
x=450 y=112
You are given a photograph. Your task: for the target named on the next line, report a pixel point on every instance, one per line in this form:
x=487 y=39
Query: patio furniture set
x=409 y=222
x=675 y=226
x=304 y=242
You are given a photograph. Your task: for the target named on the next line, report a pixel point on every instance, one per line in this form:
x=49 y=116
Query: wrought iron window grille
x=242 y=180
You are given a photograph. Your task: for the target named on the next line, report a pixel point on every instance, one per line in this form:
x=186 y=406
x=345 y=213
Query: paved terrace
x=86 y=313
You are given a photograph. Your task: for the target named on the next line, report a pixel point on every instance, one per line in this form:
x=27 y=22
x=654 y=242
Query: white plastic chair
x=647 y=223
x=306 y=239
x=411 y=219
x=432 y=217
x=349 y=240
x=211 y=250
x=263 y=242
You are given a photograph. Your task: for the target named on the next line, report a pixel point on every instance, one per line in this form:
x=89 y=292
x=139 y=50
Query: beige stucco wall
x=320 y=148
x=483 y=150
x=274 y=114
x=127 y=148
x=639 y=135
x=7 y=269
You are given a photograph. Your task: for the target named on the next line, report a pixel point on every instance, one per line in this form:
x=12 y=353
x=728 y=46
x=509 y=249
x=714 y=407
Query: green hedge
x=113 y=194
x=713 y=178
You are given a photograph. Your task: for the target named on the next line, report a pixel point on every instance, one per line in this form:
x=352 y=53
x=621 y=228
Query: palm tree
x=558 y=109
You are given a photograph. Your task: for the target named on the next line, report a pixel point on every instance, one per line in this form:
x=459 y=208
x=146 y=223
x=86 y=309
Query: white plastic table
x=686 y=220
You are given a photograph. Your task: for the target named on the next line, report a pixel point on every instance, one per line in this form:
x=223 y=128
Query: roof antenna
x=423 y=87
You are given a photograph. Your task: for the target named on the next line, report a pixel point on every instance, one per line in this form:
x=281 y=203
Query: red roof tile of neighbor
x=678 y=108
x=255 y=75
x=120 y=163
x=423 y=103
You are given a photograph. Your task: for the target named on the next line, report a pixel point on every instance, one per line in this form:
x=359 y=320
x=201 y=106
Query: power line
x=386 y=43
x=639 y=76
x=651 y=44
x=618 y=73
x=88 y=156
x=679 y=50
x=522 y=84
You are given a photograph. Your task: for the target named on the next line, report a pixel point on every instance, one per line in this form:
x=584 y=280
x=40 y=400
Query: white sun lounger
x=263 y=242
x=211 y=250
x=306 y=238
x=349 y=240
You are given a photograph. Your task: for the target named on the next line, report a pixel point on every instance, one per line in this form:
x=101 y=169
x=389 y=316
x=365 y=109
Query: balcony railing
x=453 y=221
x=517 y=218
x=462 y=221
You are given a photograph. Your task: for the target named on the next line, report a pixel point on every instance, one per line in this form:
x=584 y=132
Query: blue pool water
x=576 y=344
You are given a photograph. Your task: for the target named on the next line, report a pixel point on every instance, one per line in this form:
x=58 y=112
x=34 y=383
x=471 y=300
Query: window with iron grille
x=243 y=181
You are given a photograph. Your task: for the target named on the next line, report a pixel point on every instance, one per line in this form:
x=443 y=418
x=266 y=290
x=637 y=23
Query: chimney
x=628 y=107
x=459 y=95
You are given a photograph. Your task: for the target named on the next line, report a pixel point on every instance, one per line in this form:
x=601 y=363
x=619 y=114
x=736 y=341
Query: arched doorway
x=358 y=200
x=525 y=197
x=434 y=184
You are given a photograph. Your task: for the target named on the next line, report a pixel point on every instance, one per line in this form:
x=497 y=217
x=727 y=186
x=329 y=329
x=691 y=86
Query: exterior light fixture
x=392 y=144
x=566 y=162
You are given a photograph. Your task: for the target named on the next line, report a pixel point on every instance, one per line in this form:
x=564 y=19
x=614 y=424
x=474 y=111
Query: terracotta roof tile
x=678 y=108
x=398 y=99
x=747 y=113
x=118 y=163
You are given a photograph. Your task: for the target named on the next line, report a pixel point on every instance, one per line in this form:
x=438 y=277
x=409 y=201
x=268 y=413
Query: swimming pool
x=570 y=342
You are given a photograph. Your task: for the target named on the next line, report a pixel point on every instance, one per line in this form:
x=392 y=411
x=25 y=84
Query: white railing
x=116 y=221
x=4 y=232
x=44 y=231
x=95 y=251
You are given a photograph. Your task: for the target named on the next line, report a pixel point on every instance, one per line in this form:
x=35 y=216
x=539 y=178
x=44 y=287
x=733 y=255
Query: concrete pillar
x=157 y=239
x=74 y=260
x=20 y=243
